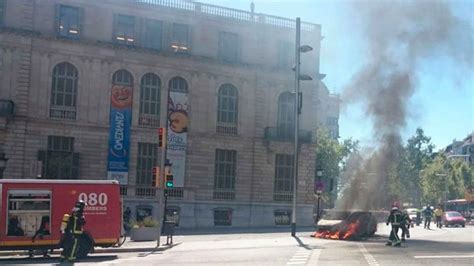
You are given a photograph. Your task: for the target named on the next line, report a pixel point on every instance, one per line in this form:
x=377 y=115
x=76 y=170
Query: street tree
x=332 y=155
x=454 y=175
x=415 y=157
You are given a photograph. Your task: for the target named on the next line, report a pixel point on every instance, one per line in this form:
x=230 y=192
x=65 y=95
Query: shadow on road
x=257 y=230
x=54 y=260
x=425 y=245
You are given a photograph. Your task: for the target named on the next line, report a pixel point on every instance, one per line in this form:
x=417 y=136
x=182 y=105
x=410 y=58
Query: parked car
x=453 y=218
x=412 y=214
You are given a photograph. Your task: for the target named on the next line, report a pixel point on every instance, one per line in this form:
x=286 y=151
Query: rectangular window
x=180 y=40
x=223 y=217
x=285 y=54
x=69 y=19
x=59 y=161
x=225 y=171
x=124 y=29
x=29 y=213
x=229 y=47
x=282 y=217
x=283 y=187
x=2 y=12
x=147 y=159
x=152 y=34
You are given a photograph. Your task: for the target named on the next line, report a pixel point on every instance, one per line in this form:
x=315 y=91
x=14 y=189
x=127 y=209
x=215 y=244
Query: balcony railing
x=220 y=194
x=142 y=191
x=282 y=196
x=276 y=134
x=226 y=128
x=213 y=10
x=146 y=120
x=62 y=113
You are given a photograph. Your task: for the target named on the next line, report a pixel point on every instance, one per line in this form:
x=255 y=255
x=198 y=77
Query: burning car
x=346 y=225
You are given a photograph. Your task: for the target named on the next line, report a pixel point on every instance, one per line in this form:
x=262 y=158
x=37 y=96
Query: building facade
x=89 y=83
x=461 y=150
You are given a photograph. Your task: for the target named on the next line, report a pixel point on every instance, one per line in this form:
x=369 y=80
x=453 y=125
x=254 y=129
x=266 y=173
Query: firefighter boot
x=388 y=243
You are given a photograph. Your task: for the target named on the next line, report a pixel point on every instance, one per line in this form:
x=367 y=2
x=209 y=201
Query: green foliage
x=331 y=155
x=453 y=175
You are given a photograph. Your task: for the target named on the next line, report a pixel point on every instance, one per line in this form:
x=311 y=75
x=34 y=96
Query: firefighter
x=73 y=232
x=438 y=214
x=405 y=225
x=394 y=219
x=428 y=213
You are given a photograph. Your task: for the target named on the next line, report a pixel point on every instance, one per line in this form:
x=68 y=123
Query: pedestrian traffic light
x=169 y=181
x=162 y=137
x=155 y=182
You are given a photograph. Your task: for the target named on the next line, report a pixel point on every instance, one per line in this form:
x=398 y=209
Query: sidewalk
x=128 y=246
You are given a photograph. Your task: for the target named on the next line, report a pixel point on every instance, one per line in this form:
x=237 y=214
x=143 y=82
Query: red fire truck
x=26 y=205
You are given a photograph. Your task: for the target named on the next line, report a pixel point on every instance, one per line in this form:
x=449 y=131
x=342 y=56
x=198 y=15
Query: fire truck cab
x=31 y=211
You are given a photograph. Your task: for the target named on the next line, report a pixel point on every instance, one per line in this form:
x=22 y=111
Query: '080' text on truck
x=29 y=206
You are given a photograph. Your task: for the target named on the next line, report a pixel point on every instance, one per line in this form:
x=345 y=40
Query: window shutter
x=42 y=156
x=114 y=30
x=81 y=22
x=75 y=166
x=57 y=18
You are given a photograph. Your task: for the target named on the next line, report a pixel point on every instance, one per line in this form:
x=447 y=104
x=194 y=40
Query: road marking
x=368 y=257
x=300 y=257
x=443 y=256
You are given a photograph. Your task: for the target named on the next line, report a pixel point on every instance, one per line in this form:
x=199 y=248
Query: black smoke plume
x=399 y=37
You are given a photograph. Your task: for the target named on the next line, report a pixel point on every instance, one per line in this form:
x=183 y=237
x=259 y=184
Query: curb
x=97 y=251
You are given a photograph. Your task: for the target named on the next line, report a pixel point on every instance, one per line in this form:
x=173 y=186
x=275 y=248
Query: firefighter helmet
x=80 y=204
x=395 y=205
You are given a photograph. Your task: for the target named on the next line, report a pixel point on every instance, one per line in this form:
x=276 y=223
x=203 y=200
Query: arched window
x=64 y=92
x=150 y=100
x=122 y=77
x=286 y=115
x=227 y=109
x=178 y=84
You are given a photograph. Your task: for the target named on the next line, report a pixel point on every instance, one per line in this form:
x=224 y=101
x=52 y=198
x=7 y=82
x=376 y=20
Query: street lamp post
x=3 y=163
x=299 y=49
x=445 y=189
x=319 y=191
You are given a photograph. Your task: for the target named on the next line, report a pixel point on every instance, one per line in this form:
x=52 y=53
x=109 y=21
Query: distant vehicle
x=459 y=205
x=412 y=214
x=453 y=218
x=29 y=207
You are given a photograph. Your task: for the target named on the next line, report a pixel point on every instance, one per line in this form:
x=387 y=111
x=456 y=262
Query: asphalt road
x=447 y=246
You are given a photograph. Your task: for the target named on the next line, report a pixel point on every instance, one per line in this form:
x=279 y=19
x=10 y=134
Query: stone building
x=91 y=81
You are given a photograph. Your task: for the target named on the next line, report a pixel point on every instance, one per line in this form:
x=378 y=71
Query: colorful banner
x=119 y=134
x=177 y=135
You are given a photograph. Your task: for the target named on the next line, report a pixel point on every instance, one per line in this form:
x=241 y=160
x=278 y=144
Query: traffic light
x=169 y=181
x=162 y=137
x=155 y=181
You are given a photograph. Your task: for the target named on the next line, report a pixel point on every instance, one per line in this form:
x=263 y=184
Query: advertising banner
x=119 y=134
x=177 y=135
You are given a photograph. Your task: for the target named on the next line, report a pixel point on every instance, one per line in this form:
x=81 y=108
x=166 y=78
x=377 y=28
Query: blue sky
x=443 y=104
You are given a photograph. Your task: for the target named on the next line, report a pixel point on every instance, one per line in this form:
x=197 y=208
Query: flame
x=346 y=232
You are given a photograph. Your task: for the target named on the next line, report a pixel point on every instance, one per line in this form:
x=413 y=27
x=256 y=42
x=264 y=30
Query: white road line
x=368 y=257
x=300 y=257
x=443 y=256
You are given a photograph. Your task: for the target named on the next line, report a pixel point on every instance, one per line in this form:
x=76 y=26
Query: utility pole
x=298 y=98
x=295 y=156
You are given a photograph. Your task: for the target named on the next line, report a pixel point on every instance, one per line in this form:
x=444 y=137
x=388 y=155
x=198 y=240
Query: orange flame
x=347 y=232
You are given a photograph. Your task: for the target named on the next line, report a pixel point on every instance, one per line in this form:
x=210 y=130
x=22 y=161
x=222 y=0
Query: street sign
x=319 y=185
